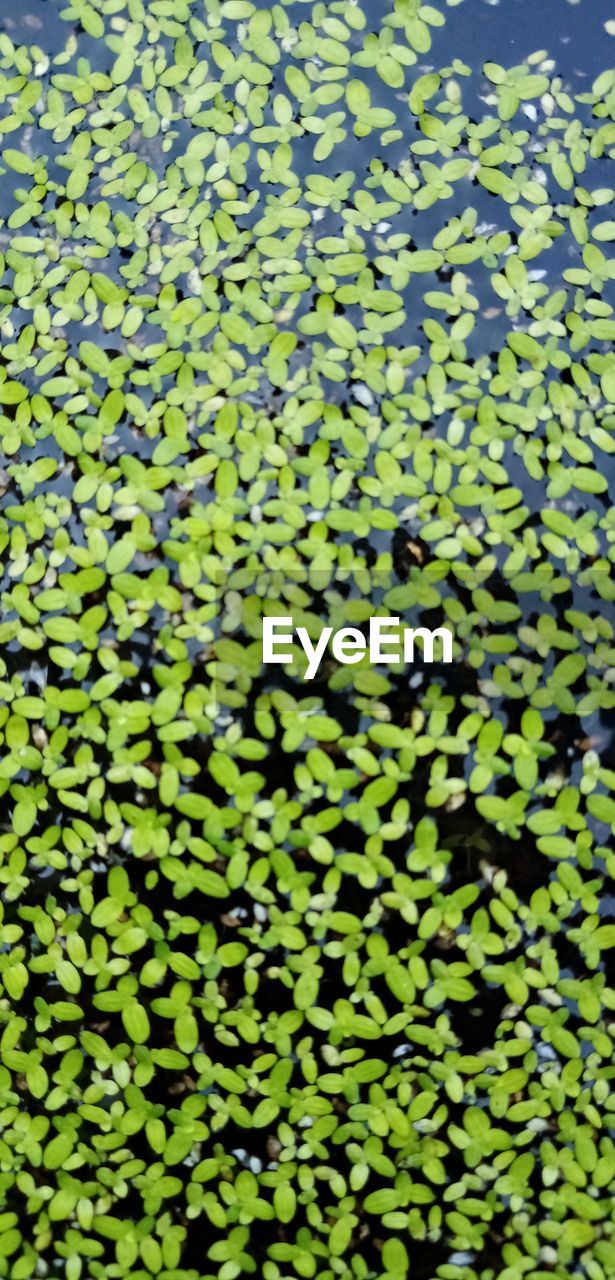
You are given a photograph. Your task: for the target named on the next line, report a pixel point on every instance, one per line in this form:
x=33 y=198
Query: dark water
x=570 y=31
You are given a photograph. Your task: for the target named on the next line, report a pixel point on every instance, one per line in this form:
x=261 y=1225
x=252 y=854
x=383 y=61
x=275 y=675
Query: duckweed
x=301 y=313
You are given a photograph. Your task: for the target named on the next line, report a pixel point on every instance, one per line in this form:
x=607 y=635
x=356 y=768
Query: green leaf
x=136 y=1022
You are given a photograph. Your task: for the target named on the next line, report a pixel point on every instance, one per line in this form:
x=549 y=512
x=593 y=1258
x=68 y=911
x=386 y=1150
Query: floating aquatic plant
x=303 y=979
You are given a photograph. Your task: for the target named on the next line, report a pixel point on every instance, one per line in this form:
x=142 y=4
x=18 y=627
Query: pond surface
x=306 y=309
